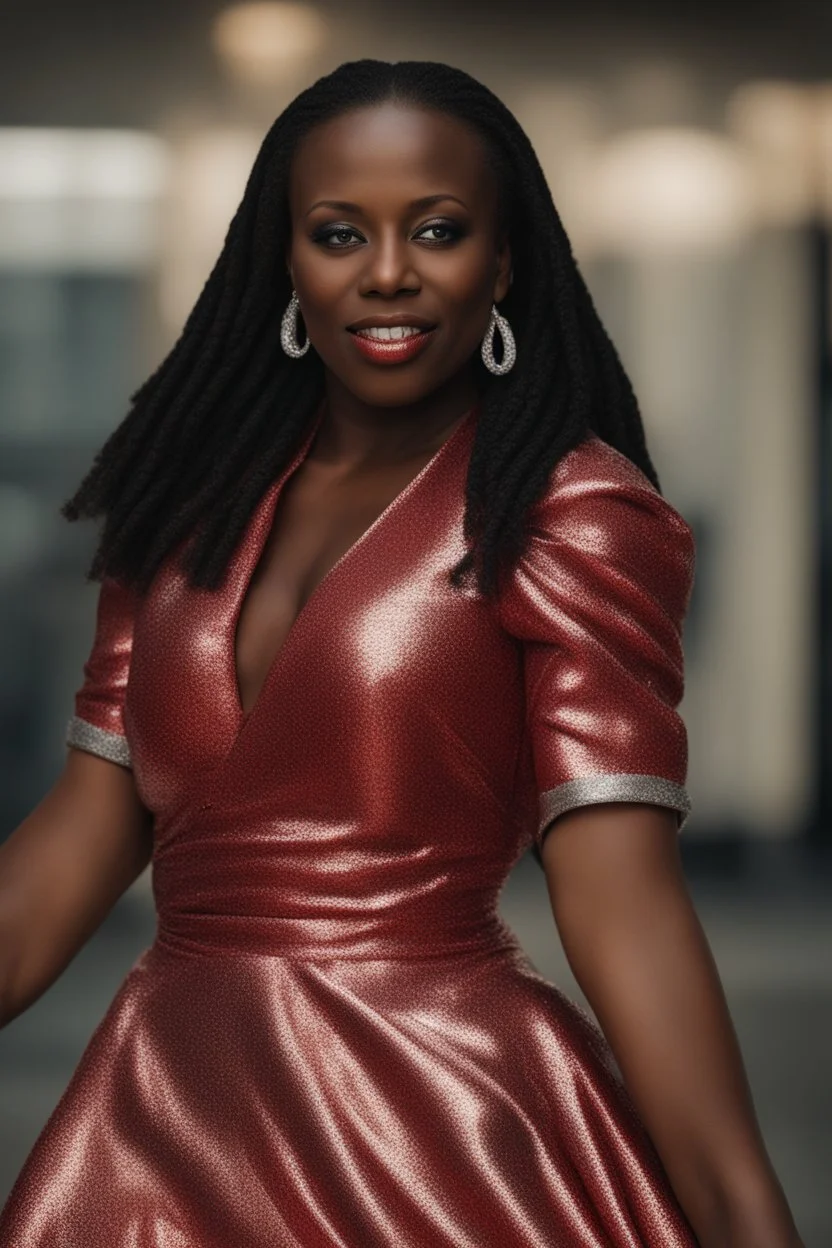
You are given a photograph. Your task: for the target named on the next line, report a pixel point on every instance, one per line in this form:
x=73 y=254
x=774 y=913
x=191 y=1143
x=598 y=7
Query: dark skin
x=390 y=252
x=613 y=870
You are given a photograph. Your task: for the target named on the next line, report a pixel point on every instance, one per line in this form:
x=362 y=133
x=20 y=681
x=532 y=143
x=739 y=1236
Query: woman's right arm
x=63 y=869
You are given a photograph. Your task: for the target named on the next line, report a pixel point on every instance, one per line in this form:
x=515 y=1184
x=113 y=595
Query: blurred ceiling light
x=668 y=190
x=775 y=124
x=259 y=42
x=38 y=164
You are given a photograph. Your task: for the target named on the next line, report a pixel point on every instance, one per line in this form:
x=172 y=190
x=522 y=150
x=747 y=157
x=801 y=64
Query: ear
x=505 y=273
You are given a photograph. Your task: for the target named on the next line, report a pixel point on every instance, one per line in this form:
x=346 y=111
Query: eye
x=439 y=232
x=337 y=237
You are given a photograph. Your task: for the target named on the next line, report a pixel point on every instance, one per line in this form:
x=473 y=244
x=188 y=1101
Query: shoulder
x=602 y=532
x=594 y=471
x=599 y=498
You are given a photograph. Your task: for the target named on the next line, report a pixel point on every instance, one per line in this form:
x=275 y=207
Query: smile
x=391 y=344
x=385 y=333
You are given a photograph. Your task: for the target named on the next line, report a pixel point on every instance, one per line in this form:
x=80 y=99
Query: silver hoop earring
x=498 y=325
x=289 y=330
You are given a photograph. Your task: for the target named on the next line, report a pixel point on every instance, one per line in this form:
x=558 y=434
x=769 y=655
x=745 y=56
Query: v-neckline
x=261 y=526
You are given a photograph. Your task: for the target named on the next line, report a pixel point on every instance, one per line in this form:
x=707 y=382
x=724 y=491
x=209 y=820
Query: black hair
x=226 y=409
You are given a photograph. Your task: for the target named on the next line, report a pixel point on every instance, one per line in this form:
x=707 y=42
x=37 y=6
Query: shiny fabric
x=334 y=1040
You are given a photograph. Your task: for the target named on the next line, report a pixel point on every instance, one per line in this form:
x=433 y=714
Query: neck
x=359 y=433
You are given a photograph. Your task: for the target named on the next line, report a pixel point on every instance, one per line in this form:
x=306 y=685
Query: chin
x=391 y=391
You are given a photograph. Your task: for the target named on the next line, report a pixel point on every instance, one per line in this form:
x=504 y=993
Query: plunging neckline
x=261 y=528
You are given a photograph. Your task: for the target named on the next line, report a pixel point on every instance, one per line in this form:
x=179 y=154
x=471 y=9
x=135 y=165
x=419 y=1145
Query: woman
x=394 y=607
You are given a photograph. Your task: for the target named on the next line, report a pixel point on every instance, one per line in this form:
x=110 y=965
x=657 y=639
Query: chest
x=319 y=517
x=358 y=654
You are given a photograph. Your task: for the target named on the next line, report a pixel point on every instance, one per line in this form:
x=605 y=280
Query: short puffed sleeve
x=598 y=601
x=98 y=723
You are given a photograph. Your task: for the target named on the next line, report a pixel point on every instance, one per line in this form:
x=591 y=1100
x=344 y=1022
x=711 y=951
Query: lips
x=391 y=341
x=388 y=333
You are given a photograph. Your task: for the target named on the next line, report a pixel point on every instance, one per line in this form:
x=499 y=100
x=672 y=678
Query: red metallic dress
x=335 y=1041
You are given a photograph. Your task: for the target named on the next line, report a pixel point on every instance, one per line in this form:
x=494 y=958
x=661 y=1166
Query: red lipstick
x=393 y=337
x=392 y=350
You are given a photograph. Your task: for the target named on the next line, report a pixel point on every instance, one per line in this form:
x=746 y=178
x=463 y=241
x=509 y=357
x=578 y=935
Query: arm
x=638 y=951
x=62 y=870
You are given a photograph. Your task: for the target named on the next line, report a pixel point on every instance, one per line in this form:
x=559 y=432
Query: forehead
x=392 y=149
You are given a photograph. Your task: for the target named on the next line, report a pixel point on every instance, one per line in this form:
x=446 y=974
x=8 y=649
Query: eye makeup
x=333 y=235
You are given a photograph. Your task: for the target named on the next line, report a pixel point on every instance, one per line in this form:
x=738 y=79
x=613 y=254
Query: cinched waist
x=311 y=939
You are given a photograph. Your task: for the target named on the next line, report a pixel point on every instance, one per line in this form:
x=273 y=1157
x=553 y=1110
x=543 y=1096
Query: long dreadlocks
x=226 y=410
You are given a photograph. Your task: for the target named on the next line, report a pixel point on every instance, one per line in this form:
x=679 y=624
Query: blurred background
x=690 y=157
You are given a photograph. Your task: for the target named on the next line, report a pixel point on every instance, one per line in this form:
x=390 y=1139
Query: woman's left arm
x=638 y=951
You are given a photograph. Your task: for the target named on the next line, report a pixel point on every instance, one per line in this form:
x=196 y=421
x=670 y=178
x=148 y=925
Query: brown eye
x=439 y=232
x=337 y=236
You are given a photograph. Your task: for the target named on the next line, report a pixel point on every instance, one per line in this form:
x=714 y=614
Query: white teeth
x=389 y=333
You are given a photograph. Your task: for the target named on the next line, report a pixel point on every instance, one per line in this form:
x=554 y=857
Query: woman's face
x=395 y=231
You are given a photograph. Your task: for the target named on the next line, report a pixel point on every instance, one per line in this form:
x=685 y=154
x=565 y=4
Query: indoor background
x=690 y=157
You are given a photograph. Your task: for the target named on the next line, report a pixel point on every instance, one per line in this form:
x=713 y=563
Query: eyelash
x=327 y=232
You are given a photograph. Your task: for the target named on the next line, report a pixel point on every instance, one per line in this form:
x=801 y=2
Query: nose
x=389 y=270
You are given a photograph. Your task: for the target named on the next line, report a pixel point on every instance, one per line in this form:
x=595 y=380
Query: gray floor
x=770 y=929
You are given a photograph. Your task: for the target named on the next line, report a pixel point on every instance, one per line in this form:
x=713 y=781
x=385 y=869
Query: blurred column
x=78 y=242
x=823 y=235
x=713 y=321
x=786 y=132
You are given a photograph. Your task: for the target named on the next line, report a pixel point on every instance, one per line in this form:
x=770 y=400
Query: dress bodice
x=411 y=739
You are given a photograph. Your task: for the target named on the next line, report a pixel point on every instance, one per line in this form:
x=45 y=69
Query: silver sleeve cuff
x=589 y=790
x=109 y=745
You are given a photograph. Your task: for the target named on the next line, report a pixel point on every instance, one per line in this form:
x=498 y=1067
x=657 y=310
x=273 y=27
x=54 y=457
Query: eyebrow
x=344 y=205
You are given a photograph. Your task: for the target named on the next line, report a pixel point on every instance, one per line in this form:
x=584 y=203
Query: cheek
x=457 y=284
x=321 y=280
x=462 y=278
x=464 y=287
